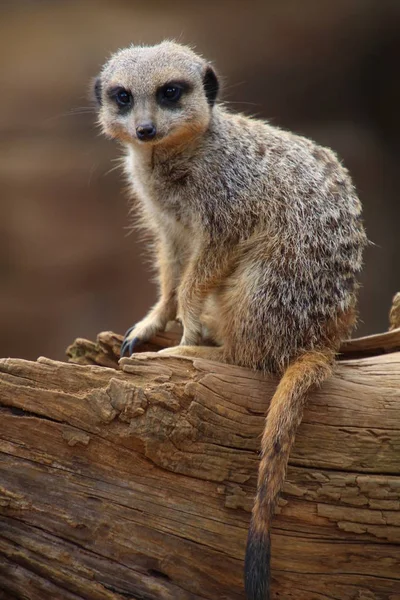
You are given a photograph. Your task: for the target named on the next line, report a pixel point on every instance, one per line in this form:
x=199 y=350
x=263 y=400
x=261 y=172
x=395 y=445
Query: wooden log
x=138 y=482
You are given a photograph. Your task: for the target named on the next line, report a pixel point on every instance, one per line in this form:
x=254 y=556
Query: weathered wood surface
x=371 y=345
x=106 y=350
x=138 y=482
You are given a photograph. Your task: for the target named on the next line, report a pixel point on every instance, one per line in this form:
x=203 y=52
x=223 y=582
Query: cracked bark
x=138 y=482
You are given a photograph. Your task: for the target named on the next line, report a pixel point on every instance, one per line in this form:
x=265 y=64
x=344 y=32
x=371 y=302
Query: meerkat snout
x=146 y=131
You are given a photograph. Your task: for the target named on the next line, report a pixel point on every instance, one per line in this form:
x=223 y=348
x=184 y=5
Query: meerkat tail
x=284 y=417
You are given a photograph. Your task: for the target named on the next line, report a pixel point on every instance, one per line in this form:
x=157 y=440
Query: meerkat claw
x=128 y=331
x=128 y=345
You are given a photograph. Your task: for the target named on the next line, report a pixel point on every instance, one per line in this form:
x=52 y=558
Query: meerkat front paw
x=155 y=321
x=141 y=332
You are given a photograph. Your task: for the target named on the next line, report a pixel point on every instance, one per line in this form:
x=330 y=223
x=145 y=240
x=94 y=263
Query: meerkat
x=257 y=227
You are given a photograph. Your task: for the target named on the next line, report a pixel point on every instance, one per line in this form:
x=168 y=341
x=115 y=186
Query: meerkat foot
x=207 y=352
x=141 y=332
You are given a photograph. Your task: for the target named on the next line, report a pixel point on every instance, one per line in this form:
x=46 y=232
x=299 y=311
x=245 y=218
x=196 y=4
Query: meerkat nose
x=146 y=131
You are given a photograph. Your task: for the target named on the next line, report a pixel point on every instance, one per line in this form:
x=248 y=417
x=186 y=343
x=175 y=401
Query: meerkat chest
x=161 y=202
x=158 y=191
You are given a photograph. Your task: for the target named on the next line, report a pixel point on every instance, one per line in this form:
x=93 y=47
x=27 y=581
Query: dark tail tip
x=257 y=565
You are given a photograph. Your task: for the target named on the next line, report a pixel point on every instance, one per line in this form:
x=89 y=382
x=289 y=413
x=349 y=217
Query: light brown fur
x=258 y=240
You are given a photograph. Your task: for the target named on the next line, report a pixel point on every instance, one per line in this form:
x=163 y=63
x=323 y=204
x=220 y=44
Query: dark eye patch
x=122 y=97
x=170 y=93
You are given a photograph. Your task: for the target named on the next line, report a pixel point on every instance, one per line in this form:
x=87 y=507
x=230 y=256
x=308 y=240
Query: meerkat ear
x=211 y=85
x=96 y=91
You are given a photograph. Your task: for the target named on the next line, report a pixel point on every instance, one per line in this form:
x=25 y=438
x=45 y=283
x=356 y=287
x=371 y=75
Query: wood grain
x=138 y=482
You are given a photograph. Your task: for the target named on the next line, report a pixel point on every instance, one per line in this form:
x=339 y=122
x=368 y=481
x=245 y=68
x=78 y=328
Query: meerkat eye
x=170 y=93
x=123 y=98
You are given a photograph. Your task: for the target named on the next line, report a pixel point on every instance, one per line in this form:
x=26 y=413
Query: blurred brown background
x=329 y=70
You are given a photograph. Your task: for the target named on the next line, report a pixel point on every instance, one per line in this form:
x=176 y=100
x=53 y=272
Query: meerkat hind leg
x=208 y=352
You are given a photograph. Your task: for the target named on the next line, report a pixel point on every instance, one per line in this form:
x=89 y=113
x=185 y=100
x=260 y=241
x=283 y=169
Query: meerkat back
x=257 y=237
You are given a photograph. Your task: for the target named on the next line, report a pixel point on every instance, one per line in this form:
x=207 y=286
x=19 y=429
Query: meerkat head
x=155 y=94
